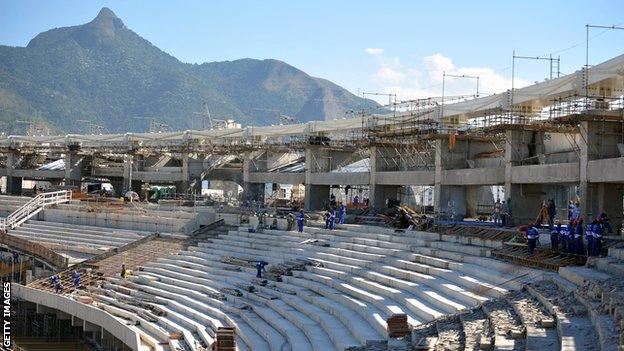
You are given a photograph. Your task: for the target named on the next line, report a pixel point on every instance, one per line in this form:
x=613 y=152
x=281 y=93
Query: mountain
x=103 y=73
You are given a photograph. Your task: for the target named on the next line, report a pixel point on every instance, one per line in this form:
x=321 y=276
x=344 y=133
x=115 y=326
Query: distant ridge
x=103 y=72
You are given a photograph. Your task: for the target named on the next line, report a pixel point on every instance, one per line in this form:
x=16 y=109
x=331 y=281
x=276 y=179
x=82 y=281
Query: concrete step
x=76 y=236
x=574 y=327
x=200 y=283
x=131 y=234
x=508 y=329
x=473 y=324
x=68 y=241
x=539 y=323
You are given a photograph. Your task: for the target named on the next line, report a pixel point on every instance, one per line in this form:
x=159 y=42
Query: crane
x=212 y=123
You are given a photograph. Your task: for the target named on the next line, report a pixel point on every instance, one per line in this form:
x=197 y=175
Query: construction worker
x=332 y=218
x=576 y=212
x=342 y=213
x=56 y=283
x=589 y=236
x=564 y=238
x=552 y=211
x=300 y=221
x=76 y=279
x=497 y=212
x=554 y=236
x=602 y=219
x=260 y=267
x=532 y=235
x=597 y=241
x=58 y=288
x=570 y=210
x=124 y=272
x=54 y=280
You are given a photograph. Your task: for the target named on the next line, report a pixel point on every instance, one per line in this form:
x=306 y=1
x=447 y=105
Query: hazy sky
x=391 y=46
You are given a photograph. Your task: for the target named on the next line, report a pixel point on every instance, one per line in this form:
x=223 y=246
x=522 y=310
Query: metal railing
x=33 y=207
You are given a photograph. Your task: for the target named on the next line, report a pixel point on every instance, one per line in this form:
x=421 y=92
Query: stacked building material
x=397 y=325
x=226 y=339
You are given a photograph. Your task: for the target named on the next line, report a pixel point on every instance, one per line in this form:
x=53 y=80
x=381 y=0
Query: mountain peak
x=106 y=23
x=106 y=14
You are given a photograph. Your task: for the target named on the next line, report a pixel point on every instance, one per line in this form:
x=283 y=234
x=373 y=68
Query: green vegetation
x=104 y=72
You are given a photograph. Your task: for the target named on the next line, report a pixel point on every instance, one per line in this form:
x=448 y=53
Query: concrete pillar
x=523 y=199
x=127 y=173
x=73 y=169
x=448 y=199
x=251 y=191
x=185 y=171
x=379 y=194
x=598 y=141
x=316 y=196
x=14 y=184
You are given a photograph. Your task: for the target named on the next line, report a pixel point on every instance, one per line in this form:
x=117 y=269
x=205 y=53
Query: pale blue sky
x=329 y=38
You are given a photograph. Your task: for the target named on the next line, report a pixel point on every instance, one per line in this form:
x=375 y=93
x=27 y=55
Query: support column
x=14 y=184
x=585 y=189
x=251 y=191
x=316 y=196
x=449 y=200
x=598 y=141
x=379 y=194
x=73 y=169
x=523 y=199
x=130 y=182
x=182 y=187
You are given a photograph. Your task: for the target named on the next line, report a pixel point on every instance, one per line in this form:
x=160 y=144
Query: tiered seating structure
x=353 y=280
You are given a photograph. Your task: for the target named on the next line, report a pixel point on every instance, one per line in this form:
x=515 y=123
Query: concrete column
x=73 y=169
x=316 y=196
x=14 y=184
x=182 y=187
x=372 y=183
x=127 y=173
x=586 y=154
x=448 y=199
x=251 y=191
x=598 y=141
x=379 y=194
x=523 y=199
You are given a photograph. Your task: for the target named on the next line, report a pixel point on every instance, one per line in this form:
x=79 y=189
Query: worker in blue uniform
x=76 y=279
x=564 y=235
x=532 y=235
x=300 y=221
x=554 y=236
x=604 y=221
x=260 y=268
x=332 y=218
x=597 y=242
x=54 y=280
x=342 y=213
x=589 y=237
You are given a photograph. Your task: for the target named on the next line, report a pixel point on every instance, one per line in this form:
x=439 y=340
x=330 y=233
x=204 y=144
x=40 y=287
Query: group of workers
x=575 y=238
x=501 y=213
x=58 y=287
x=330 y=216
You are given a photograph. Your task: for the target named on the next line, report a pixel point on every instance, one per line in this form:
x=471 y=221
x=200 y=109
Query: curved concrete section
x=86 y=313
